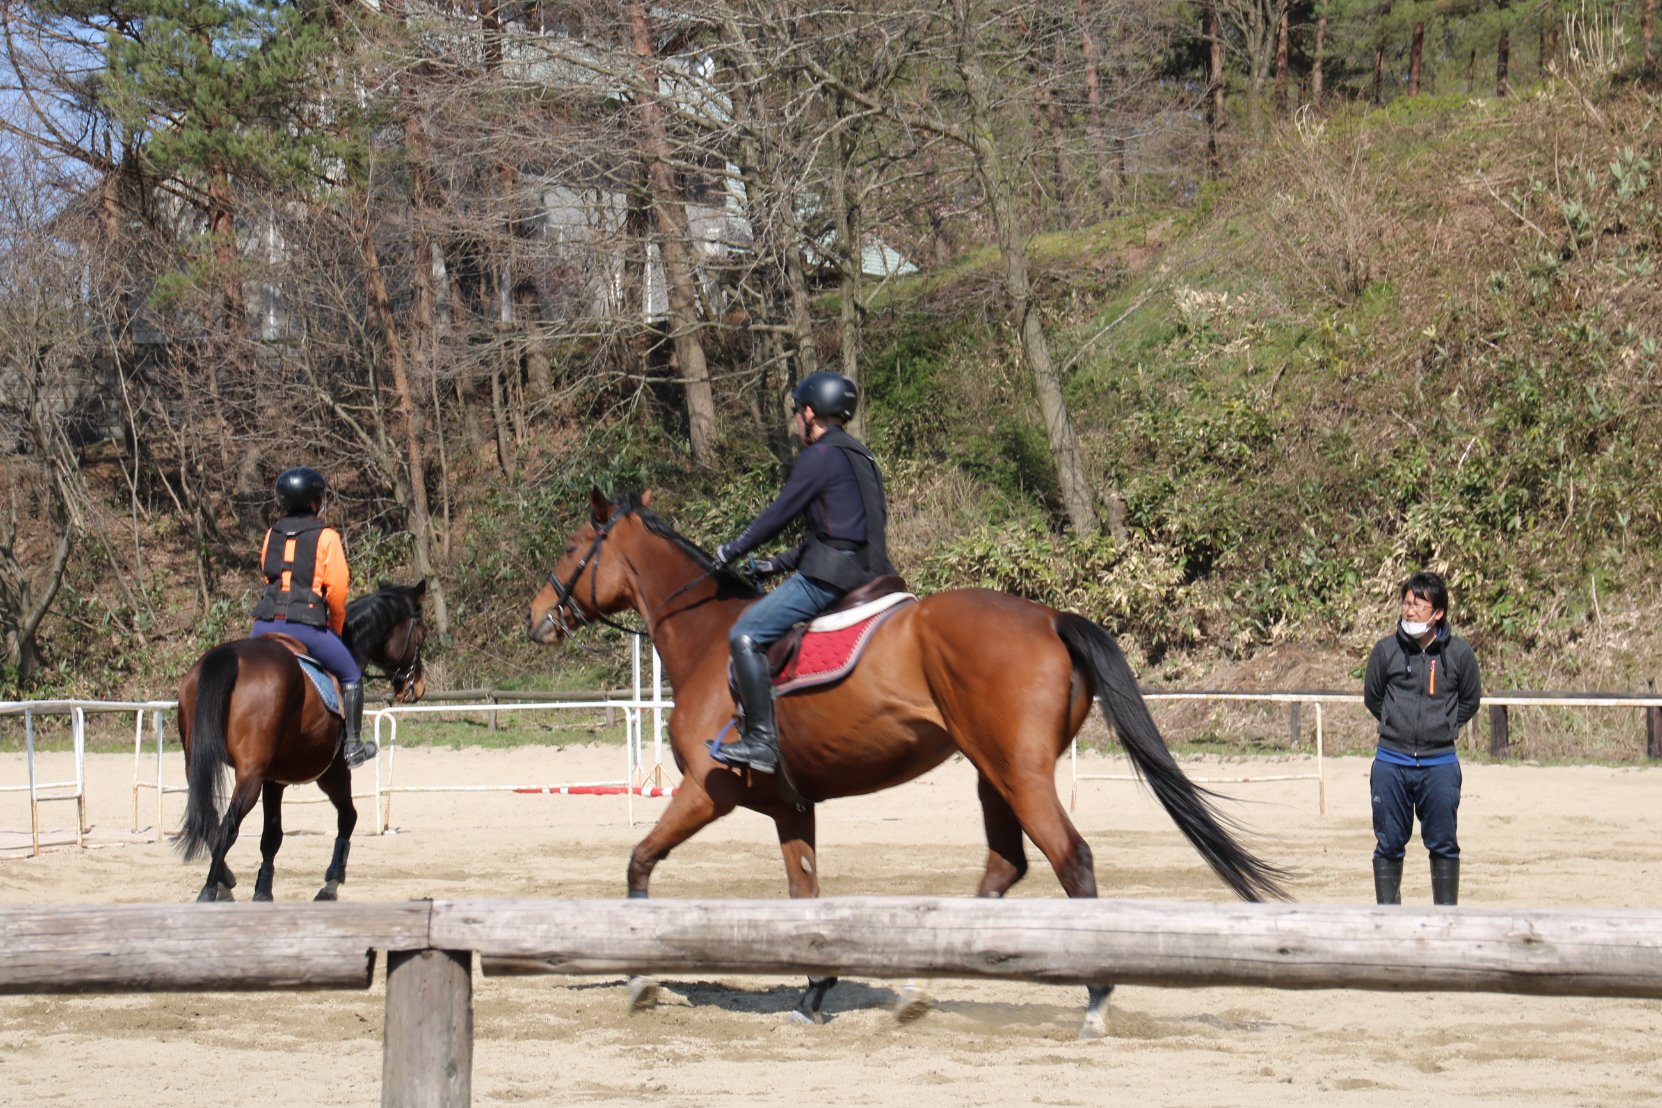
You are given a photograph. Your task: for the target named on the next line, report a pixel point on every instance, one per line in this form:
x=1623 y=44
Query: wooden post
x=1296 y=712
x=492 y=699
x=1500 y=732
x=1653 y=732
x=427 y=1058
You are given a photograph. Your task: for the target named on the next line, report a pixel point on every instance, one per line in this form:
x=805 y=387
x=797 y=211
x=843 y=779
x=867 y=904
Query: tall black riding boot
x=352 y=725
x=759 y=747
x=1445 y=880
x=1387 y=881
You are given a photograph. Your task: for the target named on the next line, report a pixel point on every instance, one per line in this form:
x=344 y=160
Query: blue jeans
x=322 y=643
x=799 y=598
x=1402 y=792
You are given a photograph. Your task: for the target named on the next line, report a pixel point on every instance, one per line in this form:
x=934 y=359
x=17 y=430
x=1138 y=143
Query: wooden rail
x=427 y=1055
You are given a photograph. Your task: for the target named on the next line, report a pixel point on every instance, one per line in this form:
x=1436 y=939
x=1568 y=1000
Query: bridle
x=404 y=673
x=563 y=590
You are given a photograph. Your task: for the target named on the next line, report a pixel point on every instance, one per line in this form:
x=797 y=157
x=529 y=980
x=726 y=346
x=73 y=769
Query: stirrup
x=755 y=753
x=359 y=753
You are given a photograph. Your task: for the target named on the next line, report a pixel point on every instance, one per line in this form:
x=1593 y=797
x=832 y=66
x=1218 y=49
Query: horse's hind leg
x=220 y=878
x=1006 y=854
x=1040 y=812
x=271 y=839
x=336 y=784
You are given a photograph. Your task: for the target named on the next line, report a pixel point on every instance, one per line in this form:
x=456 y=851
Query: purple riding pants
x=322 y=643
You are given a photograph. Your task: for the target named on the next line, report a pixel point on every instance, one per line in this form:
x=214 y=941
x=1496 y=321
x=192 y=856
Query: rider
x=305 y=594
x=837 y=485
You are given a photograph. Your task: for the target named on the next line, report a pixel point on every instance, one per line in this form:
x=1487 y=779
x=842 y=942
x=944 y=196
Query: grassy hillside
x=1421 y=336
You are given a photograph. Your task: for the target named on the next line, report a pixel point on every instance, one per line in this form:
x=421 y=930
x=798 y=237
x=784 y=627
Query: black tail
x=208 y=758
x=1188 y=804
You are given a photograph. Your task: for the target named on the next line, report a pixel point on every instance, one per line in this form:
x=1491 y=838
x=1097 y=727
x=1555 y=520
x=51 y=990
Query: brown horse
x=247 y=706
x=1005 y=681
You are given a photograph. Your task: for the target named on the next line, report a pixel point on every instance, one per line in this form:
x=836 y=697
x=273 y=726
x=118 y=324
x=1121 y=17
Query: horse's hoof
x=328 y=892
x=912 y=1004
x=643 y=994
x=225 y=893
x=262 y=897
x=1095 y=1027
x=806 y=1019
x=208 y=895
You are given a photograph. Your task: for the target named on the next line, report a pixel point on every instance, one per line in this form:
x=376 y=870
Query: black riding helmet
x=829 y=394
x=299 y=488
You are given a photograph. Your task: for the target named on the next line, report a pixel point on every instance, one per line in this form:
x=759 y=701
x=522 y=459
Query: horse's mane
x=371 y=617
x=728 y=583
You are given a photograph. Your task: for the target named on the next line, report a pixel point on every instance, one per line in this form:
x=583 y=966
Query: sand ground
x=1531 y=836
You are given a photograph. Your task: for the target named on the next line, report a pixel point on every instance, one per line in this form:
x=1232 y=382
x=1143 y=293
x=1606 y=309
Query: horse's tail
x=1189 y=805
x=209 y=758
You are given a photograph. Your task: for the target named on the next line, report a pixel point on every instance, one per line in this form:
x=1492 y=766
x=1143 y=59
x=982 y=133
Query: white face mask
x=1414 y=630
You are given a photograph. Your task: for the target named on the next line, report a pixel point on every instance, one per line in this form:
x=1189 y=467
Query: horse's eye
x=570 y=546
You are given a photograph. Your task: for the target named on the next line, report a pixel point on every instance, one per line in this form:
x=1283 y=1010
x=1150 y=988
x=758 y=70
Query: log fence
x=430 y=948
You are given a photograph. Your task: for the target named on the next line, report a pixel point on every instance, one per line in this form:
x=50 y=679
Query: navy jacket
x=1422 y=697
x=823 y=485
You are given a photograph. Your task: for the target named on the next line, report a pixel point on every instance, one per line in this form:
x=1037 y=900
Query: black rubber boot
x=759 y=747
x=351 y=728
x=1445 y=880
x=1387 y=881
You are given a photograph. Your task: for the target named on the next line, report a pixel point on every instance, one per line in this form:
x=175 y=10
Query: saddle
x=327 y=684
x=784 y=654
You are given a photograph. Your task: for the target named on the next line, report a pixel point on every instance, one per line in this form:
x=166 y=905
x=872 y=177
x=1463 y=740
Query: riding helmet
x=299 y=488
x=829 y=394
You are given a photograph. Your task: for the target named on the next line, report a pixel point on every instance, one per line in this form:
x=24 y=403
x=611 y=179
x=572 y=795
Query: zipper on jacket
x=1433 y=677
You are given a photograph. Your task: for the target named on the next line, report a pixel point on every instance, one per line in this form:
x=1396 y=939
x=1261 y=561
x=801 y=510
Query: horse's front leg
x=691 y=810
x=796 y=841
x=271 y=839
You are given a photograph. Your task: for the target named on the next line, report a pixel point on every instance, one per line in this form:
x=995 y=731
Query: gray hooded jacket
x=1422 y=697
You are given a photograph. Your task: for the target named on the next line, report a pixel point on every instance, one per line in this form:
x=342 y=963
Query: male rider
x=836 y=484
x=305 y=594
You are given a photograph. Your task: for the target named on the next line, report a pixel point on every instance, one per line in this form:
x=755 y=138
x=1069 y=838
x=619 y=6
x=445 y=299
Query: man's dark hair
x=1430 y=588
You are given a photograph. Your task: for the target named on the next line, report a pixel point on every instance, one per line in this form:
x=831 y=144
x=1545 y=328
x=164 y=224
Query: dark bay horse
x=248 y=707
x=1003 y=680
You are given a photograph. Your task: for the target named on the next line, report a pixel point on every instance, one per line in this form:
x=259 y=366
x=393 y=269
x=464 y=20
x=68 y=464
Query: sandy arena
x=1530 y=836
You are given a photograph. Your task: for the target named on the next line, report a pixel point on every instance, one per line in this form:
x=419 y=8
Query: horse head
x=385 y=627
x=586 y=585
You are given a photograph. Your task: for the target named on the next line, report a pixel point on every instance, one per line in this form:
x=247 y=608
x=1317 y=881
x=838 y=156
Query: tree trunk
x=670 y=216
x=1471 y=73
x=414 y=482
x=222 y=229
x=850 y=261
x=1093 y=101
x=1414 y=53
x=1320 y=54
x=1215 y=117
x=1379 y=72
x=1503 y=62
x=1047 y=385
x=1647 y=33
x=1281 y=52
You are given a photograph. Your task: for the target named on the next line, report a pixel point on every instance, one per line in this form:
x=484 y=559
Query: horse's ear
x=599 y=505
x=420 y=589
x=646 y=498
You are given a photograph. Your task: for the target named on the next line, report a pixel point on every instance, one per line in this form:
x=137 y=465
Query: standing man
x=837 y=486
x=1422 y=685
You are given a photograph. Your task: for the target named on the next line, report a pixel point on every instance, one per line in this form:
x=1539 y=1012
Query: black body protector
x=298 y=602
x=843 y=563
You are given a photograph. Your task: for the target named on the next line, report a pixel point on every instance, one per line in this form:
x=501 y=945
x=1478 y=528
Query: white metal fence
x=640 y=777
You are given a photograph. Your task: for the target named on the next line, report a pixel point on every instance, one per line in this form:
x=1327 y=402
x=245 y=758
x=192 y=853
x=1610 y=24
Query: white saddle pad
x=836 y=621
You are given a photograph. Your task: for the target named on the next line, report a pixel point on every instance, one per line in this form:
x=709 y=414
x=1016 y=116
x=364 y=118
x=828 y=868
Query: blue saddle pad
x=321 y=678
